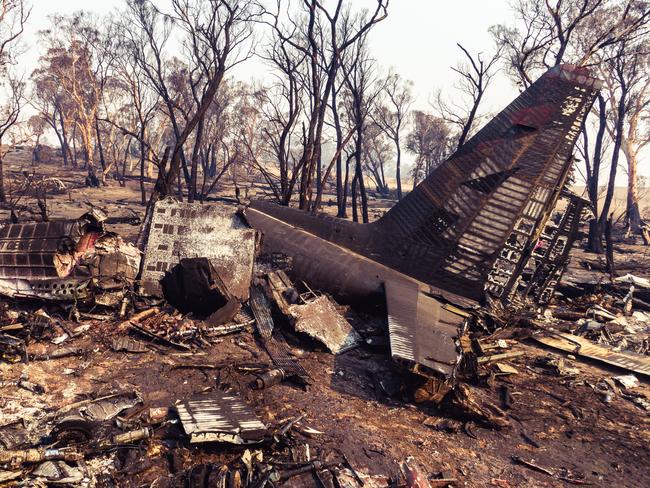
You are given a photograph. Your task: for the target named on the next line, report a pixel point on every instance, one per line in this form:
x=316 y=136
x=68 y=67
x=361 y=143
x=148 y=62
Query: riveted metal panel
x=192 y=230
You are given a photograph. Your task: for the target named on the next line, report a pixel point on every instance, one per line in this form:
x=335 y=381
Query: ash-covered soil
x=560 y=421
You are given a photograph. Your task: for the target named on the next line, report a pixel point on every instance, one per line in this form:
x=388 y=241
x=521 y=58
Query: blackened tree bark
x=594 y=241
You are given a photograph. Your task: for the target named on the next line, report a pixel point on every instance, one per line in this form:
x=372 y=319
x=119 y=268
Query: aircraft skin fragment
x=320 y=320
x=185 y=230
x=413 y=337
x=586 y=348
x=219 y=416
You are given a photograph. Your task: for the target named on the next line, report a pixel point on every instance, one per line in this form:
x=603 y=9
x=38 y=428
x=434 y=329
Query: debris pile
x=602 y=321
x=67 y=260
x=204 y=287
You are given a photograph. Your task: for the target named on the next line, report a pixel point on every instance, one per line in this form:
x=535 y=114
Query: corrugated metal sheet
x=220 y=416
x=422 y=330
x=584 y=347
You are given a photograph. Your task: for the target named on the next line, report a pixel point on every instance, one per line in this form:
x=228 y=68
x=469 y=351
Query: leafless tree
x=282 y=107
x=13 y=16
x=319 y=36
x=342 y=177
x=140 y=108
x=475 y=73
x=627 y=83
x=377 y=153
x=216 y=36
x=362 y=91
x=9 y=114
x=593 y=159
x=215 y=157
x=429 y=141
x=552 y=32
x=241 y=141
x=391 y=115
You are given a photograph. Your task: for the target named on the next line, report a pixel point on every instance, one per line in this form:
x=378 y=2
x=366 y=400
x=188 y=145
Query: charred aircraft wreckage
x=67 y=260
x=471 y=241
x=486 y=233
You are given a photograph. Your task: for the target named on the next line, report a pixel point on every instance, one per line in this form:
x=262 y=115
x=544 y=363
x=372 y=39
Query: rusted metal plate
x=220 y=417
x=584 y=347
x=115 y=262
x=193 y=230
x=320 y=320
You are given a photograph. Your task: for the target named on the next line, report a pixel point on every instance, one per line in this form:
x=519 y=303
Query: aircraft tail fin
x=498 y=188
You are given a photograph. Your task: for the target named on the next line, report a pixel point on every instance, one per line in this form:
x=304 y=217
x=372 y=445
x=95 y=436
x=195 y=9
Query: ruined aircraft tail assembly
x=475 y=218
x=478 y=229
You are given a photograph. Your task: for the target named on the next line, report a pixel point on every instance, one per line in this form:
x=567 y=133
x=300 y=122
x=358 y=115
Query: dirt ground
x=561 y=423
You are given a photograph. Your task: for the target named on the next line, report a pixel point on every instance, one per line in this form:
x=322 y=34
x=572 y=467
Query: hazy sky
x=418 y=39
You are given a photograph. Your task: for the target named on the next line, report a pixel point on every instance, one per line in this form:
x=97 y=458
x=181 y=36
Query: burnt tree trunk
x=3 y=196
x=594 y=241
x=65 y=146
x=340 y=193
x=355 y=212
x=212 y=172
x=143 y=191
x=398 y=169
x=346 y=187
x=359 y=174
x=632 y=211
x=74 y=147
x=102 y=160
x=609 y=196
x=610 y=247
x=191 y=193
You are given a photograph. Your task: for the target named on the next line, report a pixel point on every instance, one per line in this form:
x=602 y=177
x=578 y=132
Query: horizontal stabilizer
x=424 y=332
